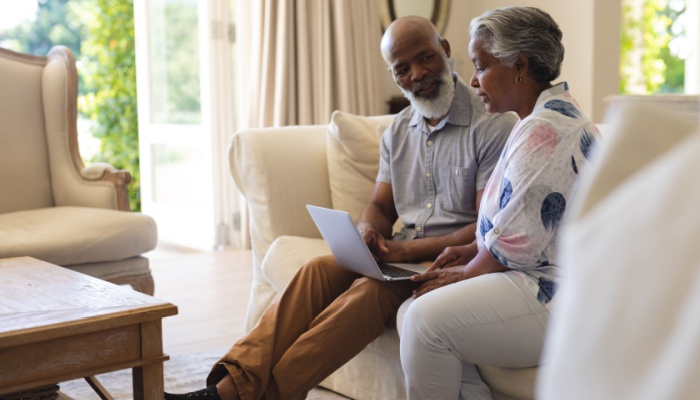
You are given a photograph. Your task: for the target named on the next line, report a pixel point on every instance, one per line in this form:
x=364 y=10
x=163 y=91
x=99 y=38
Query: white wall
x=591 y=38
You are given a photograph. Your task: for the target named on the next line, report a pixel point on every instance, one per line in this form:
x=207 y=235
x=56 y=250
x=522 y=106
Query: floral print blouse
x=531 y=186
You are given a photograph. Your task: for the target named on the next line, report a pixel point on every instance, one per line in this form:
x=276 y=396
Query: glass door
x=185 y=87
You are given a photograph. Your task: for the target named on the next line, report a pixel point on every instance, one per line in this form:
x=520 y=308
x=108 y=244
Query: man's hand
x=453 y=256
x=398 y=252
x=375 y=241
x=382 y=249
x=436 y=279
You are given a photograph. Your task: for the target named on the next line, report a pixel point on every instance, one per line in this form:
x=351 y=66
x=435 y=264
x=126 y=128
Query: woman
x=494 y=295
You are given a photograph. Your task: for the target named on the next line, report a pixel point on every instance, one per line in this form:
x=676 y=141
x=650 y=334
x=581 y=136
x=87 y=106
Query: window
x=655 y=48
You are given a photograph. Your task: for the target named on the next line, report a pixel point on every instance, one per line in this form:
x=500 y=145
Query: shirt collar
x=555 y=90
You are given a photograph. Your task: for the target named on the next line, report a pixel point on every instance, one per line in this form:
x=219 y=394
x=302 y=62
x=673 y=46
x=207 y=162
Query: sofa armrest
x=279 y=171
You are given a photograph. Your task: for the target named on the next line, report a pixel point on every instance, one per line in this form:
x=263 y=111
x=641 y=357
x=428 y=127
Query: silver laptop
x=351 y=252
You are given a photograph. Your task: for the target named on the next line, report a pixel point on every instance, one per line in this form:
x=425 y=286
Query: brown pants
x=324 y=318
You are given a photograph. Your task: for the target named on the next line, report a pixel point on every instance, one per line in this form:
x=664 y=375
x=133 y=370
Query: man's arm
x=377 y=219
x=376 y=223
x=429 y=248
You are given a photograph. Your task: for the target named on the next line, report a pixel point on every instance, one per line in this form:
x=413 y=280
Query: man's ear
x=446 y=47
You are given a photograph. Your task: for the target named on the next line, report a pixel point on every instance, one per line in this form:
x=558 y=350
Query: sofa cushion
x=286 y=255
x=76 y=235
x=353 y=158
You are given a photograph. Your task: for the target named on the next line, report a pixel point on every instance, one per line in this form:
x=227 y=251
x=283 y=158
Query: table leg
x=148 y=382
x=148 y=379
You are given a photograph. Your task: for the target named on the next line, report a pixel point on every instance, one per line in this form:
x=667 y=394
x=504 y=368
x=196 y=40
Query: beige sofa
x=279 y=171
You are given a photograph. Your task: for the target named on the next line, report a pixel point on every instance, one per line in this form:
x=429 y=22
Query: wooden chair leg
x=98 y=388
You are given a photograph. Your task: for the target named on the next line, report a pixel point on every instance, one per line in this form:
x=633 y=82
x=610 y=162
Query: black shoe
x=209 y=393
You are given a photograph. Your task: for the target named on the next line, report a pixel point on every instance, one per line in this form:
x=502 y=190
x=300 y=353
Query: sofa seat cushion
x=76 y=235
x=115 y=270
x=286 y=255
x=510 y=383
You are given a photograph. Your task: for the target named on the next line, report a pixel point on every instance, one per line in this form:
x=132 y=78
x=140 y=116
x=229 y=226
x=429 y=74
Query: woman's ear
x=521 y=64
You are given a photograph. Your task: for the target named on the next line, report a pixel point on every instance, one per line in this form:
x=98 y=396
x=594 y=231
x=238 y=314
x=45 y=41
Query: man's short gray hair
x=507 y=32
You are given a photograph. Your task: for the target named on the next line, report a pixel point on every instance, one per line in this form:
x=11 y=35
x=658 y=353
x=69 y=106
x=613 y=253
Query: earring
x=518 y=79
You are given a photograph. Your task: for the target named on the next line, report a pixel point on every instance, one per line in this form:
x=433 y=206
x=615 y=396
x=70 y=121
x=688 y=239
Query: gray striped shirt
x=435 y=175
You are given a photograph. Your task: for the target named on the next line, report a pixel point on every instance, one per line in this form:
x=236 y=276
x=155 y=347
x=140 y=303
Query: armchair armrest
x=279 y=171
x=107 y=173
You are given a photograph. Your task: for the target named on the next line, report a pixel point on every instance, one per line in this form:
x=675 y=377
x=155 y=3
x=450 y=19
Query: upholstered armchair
x=52 y=207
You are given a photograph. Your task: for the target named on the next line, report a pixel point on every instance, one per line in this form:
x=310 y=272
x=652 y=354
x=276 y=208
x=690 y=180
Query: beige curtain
x=299 y=60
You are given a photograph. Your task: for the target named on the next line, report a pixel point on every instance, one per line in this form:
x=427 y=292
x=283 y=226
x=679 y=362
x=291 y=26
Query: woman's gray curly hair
x=507 y=32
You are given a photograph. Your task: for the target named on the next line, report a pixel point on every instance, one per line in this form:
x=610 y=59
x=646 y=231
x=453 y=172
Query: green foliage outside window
x=647 y=64
x=101 y=35
x=110 y=75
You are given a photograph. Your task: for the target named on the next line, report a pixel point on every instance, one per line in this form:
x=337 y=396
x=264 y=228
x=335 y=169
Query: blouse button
x=427 y=174
x=429 y=205
x=496 y=231
x=419 y=229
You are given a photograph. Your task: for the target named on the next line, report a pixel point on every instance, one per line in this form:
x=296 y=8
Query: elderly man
x=435 y=160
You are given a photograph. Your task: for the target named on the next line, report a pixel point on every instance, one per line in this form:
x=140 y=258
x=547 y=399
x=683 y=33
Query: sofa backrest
x=25 y=180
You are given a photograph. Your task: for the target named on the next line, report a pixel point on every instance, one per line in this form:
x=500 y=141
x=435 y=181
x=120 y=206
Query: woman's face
x=494 y=82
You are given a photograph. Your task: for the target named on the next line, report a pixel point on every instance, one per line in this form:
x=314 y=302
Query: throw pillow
x=353 y=159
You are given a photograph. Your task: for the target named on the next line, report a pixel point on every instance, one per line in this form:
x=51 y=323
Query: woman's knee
x=415 y=318
x=423 y=317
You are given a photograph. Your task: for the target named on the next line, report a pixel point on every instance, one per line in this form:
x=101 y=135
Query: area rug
x=182 y=374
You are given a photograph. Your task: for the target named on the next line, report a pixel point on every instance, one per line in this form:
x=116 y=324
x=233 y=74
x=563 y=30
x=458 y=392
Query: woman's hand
x=453 y=256
x=436 y=279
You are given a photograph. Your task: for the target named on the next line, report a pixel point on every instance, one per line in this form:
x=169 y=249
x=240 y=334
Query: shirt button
x=419 y=229
x=430 y=143
x=429 y=205
x=456 y=172
x=496 y=231
x=427 y=174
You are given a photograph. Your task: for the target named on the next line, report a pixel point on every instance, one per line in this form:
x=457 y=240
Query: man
x=435 y=160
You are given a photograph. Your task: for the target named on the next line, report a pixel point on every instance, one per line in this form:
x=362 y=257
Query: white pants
x=493 y=319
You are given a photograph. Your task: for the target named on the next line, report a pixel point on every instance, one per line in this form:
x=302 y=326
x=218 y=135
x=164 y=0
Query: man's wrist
x=363 y=226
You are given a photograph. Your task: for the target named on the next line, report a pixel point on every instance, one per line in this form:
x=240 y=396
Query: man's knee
x=388 y=296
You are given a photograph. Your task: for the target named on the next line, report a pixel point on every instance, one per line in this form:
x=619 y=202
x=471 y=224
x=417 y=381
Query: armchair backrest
x=25 y=177
x=40 y=163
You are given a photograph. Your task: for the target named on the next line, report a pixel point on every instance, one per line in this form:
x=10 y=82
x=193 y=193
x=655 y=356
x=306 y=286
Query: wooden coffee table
x=57 y=325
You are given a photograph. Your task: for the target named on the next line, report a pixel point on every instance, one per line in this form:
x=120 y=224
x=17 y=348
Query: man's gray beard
x=440 y=105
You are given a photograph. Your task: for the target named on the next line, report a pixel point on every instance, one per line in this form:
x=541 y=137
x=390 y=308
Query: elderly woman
x=488 y=302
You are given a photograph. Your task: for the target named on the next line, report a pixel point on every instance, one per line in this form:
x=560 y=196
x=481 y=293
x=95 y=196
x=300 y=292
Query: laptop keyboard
x=395 y=272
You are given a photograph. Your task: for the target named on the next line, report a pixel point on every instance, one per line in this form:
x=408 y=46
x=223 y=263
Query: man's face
x=421 y=69
x=416 y=63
